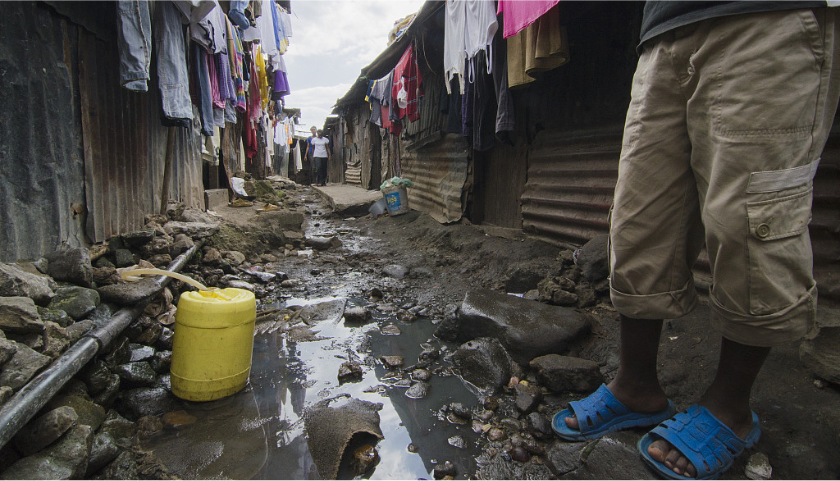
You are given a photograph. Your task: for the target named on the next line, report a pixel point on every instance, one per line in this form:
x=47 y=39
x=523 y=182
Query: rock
x=519 y=454
x=139 y=402
x=390 y=330
x=820 y=353
x=103 y=451
x=235 y=258
x=149 y=426
x=421 y=272
x=140 y=352
x=586 y=296
x=25 y=363
x=158 y=246
x=105 y=276
x=161 y=362
x=540 y=425
x=161 y=261
x=54 y=315
x=391 y=362
x=118 y=352
x=19 y=315
x=526 y=329
x=758 y=467
x=484 y=364
x=128 y=293
x=56 y=340
x=181 y=244
x=123 y=467
x=15 y=282
x=136 y=374
x=418 y=390
x=443 y=470
x=138 y=238
x=65 y=459
x=405 y=316
x=593 y=258
x=364 y=459
x=71 y=265
x=563 y=373
x=323 y=243
x=421 y=375
x=195 y=230
x=350 y=371
x=429 y=354
x=7 y=350
x=563 y=457
x=614 y=456
x=109 y=394
x=527 y=398
x=178 y=419
x=44 y=430
x=376 y=293
x=78 y=329
x=95 y=375
x=211 y=256
x=164 y=342
x=522 y=280
x=89 y=413
x=76 y=301
x=119 y=428
x=357 y=315
x=124 y=258
x=496 y=434
x=395 y=271
x=457 y=441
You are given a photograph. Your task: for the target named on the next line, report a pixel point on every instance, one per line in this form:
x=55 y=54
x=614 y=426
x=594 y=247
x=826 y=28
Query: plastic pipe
x=26 y=403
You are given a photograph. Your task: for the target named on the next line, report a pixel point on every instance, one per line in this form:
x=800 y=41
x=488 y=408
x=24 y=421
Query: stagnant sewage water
x=259 y=433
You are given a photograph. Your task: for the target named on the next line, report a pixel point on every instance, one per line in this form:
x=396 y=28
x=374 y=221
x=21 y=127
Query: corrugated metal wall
x=82 y=158
x=571 y=179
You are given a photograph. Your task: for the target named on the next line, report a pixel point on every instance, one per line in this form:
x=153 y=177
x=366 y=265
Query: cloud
x=331 y=42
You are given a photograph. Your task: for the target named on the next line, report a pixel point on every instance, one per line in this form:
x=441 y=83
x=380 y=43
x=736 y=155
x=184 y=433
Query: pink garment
x=518 y=14
x=218 y=101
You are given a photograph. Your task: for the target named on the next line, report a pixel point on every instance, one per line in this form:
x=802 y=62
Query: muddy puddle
x=259 y=432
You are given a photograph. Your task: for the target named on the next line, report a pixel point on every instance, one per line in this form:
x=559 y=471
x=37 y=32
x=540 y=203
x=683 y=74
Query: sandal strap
x=601 y=402
x=706 y=442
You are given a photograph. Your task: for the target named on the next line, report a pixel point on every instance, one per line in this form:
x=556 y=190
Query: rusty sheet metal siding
x=125 y=147
x=571 y=179
x=41 y=166
x=438 y=171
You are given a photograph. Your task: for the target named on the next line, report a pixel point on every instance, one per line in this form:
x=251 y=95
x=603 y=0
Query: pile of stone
x=90 y=429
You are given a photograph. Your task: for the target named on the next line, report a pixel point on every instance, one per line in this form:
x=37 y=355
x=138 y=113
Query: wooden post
x=167 y=169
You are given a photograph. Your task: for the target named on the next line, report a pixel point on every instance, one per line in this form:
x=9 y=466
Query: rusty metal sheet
x=571 y=179
x=41 y=168
x=438 y=171
x=125 y=145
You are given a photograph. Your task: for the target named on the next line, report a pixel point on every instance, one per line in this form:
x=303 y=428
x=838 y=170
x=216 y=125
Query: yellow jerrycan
x=213 y=340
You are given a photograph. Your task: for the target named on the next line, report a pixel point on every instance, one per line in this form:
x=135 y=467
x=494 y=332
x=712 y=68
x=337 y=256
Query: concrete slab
x=213 y=198
x=348 y=200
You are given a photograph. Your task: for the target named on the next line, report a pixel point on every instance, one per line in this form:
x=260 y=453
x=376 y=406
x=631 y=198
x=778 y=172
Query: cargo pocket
x=779 y=250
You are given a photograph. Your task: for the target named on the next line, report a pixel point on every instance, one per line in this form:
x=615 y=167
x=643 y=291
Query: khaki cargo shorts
x=725 y=128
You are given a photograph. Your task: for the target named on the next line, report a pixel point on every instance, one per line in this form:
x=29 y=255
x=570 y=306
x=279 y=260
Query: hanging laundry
x=227 y=90
x=520 y=14
x=407 y=88
x=203 y=91
x=261 y=75
x=135 y=44
x=172 y=65
x=235 y=56
x=538 y=48
x=469 y=27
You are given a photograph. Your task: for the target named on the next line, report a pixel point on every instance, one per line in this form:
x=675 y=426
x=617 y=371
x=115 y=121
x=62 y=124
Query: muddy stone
x=71 y=265
x=120 y=429
x=527 y=329
x=564 y=373
x=391 y=362
x=540 y=425
x=418 y=390
x=77 y=302
x=15 y=282
x=96 y=376
x=194 y=230
x=421 y=375
x=593 y=258
x=178 y=419
x=527 y=398
x=44 y=430
x=136 y=374
x=89 y=413
x=140 y=352
x=53 y=315
x=19 y=315
x=356 y=315
x=7 y=350
x=391 y=330
x=149 y=426
x=483 y=363
x=395 y=271
x=446 y=469
x=564 y=457
x=139 y=402
x=350 y=372
x=124 y=258
x=103 y=451
x=25 y=363
x=66 y=459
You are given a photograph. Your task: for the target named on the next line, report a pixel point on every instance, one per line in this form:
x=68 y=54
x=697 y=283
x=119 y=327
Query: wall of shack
x=82 y=158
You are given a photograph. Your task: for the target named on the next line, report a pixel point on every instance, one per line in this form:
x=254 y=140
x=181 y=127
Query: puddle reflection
x=258 y=433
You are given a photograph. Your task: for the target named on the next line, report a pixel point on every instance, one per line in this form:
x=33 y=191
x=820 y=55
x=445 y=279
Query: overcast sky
x=332 y=40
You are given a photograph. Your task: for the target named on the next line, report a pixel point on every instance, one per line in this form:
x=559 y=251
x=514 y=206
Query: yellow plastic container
x=213 y=343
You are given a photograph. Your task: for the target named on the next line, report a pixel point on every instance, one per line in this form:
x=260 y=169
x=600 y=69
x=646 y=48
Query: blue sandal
x=601 y=413
x=706 y=442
